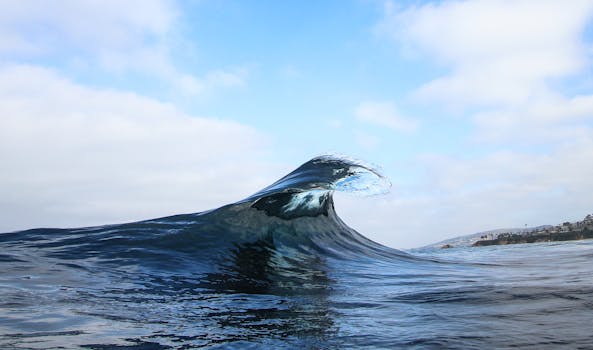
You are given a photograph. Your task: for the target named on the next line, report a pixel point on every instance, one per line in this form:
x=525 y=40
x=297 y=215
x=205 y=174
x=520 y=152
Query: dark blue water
x=280 y=270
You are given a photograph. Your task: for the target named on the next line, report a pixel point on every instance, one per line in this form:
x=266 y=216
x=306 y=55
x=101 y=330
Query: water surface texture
x=280 y=270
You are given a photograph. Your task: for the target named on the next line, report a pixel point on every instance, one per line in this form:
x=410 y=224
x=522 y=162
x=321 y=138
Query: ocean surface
x=280 y=270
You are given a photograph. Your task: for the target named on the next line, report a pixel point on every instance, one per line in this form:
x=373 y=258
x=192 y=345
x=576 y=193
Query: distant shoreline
x=566 y=232
x=517 y=238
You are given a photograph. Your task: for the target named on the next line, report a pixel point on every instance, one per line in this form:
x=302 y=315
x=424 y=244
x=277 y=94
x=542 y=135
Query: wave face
x=294 y=219
x=278 y=269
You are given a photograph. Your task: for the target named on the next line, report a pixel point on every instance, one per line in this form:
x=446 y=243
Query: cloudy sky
x=480 y=112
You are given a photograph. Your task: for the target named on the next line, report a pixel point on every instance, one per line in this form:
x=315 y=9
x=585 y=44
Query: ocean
x=281 y=270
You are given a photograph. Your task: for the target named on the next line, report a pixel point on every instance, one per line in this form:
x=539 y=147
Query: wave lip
x=307 y=190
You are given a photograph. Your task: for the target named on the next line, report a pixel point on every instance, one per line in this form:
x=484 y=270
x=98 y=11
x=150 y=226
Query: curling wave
x=274 y=234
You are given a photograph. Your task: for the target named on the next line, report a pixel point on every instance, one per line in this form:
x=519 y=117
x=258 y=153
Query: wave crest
x=280 y=228
x=307 y=190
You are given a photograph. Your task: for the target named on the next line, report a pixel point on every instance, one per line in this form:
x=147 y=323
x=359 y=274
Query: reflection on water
x=254 y=294
x=539 y=296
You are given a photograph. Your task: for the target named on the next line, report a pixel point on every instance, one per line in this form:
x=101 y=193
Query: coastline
x=565 y=232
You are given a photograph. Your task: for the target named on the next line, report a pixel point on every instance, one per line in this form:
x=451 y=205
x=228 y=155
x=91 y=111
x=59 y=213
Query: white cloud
x=499 y=51
x=113 y=36
x=463 y=196
x=384 y=114
x=91 y=26
x=506 y=63
x=505 y=59
x=547 y=120
x=74 y=155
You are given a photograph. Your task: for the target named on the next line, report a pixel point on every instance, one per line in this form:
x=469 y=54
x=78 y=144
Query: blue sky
x=480 y=112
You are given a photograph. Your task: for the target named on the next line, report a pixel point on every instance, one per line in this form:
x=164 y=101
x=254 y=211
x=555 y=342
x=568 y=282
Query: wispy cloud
x=505 y=62
x=498 y=51
x=87 y=27
x=139 y=37
x=548 y=120
x=384 y=114
x=366 y=140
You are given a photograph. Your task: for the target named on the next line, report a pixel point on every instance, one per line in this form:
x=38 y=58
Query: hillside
x=562 y=232
x=568 y=231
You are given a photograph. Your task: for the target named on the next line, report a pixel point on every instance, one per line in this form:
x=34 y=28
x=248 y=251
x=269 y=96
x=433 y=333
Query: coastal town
x=566 y=231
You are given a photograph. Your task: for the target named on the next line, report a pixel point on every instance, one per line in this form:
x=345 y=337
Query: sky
x=479 y=112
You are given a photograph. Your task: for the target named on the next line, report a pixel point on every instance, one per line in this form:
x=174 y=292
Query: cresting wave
x=274 y=234
x=280 y=270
